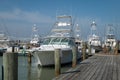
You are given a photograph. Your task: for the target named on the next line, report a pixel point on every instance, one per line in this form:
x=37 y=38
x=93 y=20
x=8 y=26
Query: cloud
x=27 y=16
x=19 y=22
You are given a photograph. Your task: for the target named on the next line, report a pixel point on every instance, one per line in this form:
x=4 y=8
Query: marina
x=62 y=56
x=59 y=40
x=100 y=66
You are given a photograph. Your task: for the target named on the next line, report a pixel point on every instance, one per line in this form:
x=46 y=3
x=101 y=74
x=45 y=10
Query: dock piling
x=2 y=72
x=74 y=60
x=13 y=48
x=89 y=50
x=29 y=58
x=57 y=62
x=10 y=66
x=116 y=49
x=84 y=51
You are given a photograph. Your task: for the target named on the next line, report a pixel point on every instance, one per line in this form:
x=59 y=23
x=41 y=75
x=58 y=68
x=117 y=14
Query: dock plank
x=92 y=70
x=118 y=67
x=97 y=67
x=82 y=67
x=108 y=69
x=114 y=77
x=99 y=73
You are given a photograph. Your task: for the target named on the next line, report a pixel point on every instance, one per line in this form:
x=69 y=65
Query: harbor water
x=31 y=71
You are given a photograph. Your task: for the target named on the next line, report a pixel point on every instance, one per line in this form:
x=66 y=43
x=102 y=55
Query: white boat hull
x=46 y=58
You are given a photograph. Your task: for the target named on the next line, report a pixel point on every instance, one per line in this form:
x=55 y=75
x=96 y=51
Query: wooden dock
x=97 y=67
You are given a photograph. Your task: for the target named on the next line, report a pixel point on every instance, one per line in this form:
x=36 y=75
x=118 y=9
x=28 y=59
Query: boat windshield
x=67 y=41
x=46 y=41
x=64 y=41
x=95 y=39
x=71 y=42
x=58 y=41
x=110 y=36
x=52 y=41
x=55 y=41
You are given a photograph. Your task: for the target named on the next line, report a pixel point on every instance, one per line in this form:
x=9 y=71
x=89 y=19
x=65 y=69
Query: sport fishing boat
x=93 y=39
x=60 y=37
x=35 y=38
x=110 y=40
x=33 y=43
x=4 y=42
x=78 y=39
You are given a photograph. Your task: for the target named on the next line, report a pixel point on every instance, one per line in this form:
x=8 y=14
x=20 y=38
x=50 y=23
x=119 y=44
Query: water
x=33 y=72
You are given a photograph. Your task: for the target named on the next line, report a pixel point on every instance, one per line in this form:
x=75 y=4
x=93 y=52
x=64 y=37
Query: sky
x=18 y=16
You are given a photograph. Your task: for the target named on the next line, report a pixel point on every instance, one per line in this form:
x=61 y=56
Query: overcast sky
x=18 y=16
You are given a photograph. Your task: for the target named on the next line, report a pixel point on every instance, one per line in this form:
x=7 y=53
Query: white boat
x=3 y=37
x=4 y=42
x=78 y=39
x=61 y=37
x=110 y=40
x=93 y=39
x=35 y=39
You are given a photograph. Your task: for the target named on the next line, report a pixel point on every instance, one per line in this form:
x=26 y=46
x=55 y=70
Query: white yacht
x=35 y=39
x=61 y=37
x=93 y=39
x=4 y=42
x=110 y=40
x=78 y=39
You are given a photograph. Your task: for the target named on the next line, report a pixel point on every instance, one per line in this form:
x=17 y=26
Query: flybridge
x=63 y=27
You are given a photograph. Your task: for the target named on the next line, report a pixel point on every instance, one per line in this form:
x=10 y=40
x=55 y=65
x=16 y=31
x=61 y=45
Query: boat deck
x=97 y=67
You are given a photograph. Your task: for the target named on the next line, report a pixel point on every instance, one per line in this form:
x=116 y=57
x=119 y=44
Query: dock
x=97 y=67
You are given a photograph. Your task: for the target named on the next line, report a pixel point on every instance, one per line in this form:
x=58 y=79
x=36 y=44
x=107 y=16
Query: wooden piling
x=13 y=48
x=29 y=58
x=57 y=62
x=74 y=60
x=2 y=73
x=105 y=49
x=116 y=49
x=89 y=50
x=84 y=51
x=10 y=65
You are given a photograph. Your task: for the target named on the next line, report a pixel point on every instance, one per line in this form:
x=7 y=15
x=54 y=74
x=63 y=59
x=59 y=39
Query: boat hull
x=2 y=51
x=46 y=58
x=97 y=48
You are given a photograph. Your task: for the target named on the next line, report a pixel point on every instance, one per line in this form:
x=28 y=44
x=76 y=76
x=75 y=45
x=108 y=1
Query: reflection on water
x=1 y=68
x=45 y=73
x=32 y=71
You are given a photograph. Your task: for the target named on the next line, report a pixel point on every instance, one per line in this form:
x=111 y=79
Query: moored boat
x=78 y=39
x=61 y=37
x=35 y=38
x=4 y=42
x=110 y=39
x=93 y=39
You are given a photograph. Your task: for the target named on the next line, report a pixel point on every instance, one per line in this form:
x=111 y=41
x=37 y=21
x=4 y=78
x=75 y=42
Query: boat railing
x=62 y=30
x=63 y=24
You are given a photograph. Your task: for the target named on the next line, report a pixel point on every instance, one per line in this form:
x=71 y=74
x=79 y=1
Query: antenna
x=4 y=26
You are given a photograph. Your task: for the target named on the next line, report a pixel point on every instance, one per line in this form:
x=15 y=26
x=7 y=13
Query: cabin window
x=55 y=41
x=110 y=36
x=47 y=41
x=71 y=42
x=64 y=41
